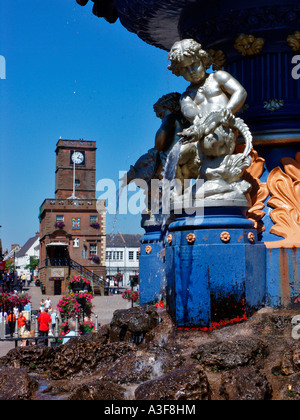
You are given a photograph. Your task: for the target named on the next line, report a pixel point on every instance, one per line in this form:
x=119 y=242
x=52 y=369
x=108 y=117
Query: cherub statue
x=209 y=103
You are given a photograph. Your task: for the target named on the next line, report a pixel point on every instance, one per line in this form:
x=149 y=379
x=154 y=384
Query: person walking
x=21 y=324
x=42 y=305
x=16 y=311
x=11 y=322
x=44 y=321
x=53 y=320
x=48 y=303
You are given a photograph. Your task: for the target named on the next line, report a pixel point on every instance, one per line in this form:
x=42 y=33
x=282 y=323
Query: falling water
x=169 y=174
x=172 y=162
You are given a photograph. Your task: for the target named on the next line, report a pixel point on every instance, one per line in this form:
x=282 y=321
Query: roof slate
x=120 y=240
x=26 y=247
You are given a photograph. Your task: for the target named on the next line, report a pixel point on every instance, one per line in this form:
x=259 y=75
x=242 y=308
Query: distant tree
x=33 y=264
x=9 y=265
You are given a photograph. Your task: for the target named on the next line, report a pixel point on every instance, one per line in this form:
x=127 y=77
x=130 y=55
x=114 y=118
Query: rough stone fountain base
x=141 y=355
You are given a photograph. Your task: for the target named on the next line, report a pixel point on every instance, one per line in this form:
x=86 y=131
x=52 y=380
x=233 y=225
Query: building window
x=60 y=221
x=93 y=249
x=76 y=243
x=75 y=223
x=114 y=255
x=130 y=255
x=94 y=222
x=84 y=253
x=118 y=256
x=137 y=255
x=77 y=182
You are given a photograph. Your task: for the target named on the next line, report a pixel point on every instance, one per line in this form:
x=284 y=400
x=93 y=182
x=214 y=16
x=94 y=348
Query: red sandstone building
x=72 y=225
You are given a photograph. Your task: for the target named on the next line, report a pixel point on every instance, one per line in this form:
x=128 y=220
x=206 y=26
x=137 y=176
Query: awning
x=57 y=244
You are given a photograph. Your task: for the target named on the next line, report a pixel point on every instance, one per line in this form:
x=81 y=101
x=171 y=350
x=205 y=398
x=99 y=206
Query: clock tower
x=73 y=224
x=75 y=174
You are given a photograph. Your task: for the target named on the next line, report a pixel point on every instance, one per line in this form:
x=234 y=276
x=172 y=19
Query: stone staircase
x=98 y=284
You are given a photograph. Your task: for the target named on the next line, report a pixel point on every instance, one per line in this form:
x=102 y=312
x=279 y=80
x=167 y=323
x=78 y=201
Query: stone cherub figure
x=209 y=103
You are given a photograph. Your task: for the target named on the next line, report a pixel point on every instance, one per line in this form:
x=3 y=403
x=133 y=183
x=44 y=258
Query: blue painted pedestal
x=283 y=284
x=152 y=258
x=210 y=280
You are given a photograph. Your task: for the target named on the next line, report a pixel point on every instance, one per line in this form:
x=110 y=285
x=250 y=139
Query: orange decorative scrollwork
x=248 y=44
x=259 y=192
x=284 y=189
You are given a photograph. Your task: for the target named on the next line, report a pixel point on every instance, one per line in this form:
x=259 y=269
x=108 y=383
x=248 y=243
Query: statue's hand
x=215 y=119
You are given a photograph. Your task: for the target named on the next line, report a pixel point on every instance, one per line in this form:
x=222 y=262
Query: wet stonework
x=252 y=360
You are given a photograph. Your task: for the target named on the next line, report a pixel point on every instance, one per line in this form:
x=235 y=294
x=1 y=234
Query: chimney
x=13 y=246
x=37 y=234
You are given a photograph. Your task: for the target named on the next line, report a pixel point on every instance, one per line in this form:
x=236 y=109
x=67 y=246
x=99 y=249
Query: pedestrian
x=3 y=316
x=23 y=280
x=21 y=324
x=48 y=303
x=25 y=335
x=44 y=321
x=10 y=283
x=11 y=322
x=71 y=333
x=53 y=320
x=28 y=278
x=15 y=280
x=16 y=311
x=42 y=305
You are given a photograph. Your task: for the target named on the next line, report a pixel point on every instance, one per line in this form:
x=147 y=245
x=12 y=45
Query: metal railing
x=37 y=337
x=68 y=262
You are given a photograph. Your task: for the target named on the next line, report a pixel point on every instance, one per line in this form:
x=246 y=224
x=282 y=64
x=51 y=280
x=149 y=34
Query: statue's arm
x=165 y=134
x=233 y=88
x=188 y=107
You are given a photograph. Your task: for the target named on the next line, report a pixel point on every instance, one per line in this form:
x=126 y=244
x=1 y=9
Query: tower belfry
x=75 y=172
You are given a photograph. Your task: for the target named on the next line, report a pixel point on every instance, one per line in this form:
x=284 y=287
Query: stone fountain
x=246 y=245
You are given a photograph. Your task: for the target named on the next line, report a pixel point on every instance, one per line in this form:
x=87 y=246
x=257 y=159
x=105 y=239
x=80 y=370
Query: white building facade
x=122 y=259
x=22 y=257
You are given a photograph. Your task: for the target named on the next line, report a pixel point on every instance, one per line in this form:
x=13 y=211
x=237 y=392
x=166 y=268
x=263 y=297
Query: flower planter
x=60 y=225
x=95 y=260
x=95 y=225
x=78 y=283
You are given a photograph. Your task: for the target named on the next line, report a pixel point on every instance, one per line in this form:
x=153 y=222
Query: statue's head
x=188 y=58
x=170 y=102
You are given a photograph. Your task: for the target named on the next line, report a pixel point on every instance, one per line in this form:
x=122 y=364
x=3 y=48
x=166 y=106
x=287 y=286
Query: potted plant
x=95 y=225
x=78 y=283
x=95 y=259
x=60 y=225
x=75 y=304
x=132 y=296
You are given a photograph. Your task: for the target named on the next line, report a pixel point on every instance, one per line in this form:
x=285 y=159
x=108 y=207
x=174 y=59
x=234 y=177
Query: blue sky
x=72 y=75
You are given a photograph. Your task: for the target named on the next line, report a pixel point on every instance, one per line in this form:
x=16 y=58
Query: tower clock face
x=77 y=157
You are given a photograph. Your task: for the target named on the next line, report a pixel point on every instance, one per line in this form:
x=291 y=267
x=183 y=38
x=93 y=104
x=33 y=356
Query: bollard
x=56 y=332
x=36 y=333
x=16 y=329
x=96 y=325
x=3 y=328
x=76 y=327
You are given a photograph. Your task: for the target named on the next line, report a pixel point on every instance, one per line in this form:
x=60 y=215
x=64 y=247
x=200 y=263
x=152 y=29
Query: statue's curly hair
x=169 y=101
x=187 y=48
